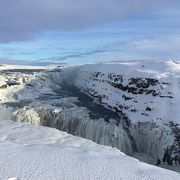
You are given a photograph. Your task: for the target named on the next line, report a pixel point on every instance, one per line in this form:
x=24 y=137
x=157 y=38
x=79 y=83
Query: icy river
x=83 y=117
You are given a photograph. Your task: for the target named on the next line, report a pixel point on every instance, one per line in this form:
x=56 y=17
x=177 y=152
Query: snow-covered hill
x=147 y=91
x=133 y=106
x=147 y=94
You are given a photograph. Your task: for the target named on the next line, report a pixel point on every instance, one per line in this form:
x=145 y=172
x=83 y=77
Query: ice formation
x=140 y=99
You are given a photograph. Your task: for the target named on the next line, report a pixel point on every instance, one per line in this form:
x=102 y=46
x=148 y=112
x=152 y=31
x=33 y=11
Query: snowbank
x=34 y=152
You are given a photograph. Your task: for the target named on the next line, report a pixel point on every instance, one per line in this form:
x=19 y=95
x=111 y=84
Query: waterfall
x=97 y=130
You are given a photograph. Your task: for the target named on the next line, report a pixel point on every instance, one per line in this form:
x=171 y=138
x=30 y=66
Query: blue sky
x=134 y=35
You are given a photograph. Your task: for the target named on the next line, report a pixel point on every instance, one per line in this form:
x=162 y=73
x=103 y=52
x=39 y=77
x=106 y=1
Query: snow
x=100 y=81
x=166 y=72
x=22 y=67
x=35 y=152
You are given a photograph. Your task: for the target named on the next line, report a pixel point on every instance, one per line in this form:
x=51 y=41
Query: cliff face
x=146 y=94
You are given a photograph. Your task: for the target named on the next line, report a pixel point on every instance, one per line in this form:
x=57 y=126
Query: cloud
x=49 y=60
x=9 y=49
x=11 y=61
x=72 y=56
x=23 y=19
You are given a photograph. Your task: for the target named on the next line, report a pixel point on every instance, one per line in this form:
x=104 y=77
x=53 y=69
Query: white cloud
x=21 y=19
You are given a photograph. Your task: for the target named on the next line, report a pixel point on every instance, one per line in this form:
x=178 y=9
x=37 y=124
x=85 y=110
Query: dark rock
x=127 y=98
x=148 y=109
x=12 y=83
x=3 y=86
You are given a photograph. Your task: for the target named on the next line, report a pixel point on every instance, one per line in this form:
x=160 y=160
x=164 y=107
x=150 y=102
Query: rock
x=12 y=82
x=3 y=85
x=148 y=109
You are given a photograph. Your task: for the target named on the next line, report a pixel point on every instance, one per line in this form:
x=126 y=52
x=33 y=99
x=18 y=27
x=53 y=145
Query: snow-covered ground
x=34 y=152
x=143 y=95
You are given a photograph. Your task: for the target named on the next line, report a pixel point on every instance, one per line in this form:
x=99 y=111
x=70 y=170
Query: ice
x=75 y=120
x=148 y=121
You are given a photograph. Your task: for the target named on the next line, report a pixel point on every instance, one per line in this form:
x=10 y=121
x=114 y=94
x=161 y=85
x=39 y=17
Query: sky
x=87 y=31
